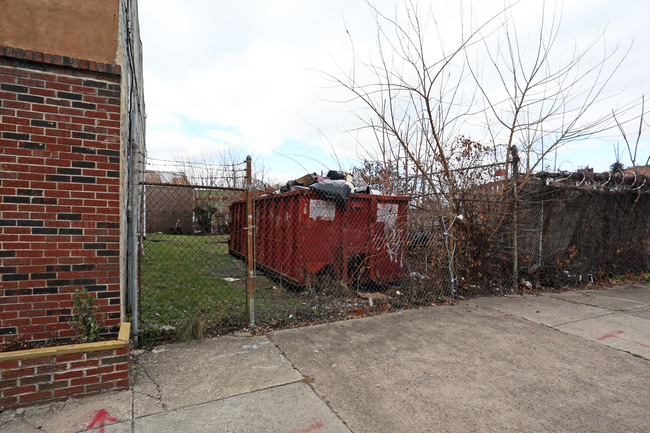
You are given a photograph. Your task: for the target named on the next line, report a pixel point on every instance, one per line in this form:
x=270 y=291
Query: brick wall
x=43 y=375
x=59 y=191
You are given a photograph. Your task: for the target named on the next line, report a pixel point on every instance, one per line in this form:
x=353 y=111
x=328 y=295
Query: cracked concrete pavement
x=571 y=361
x=617 y=317
x=212 y=385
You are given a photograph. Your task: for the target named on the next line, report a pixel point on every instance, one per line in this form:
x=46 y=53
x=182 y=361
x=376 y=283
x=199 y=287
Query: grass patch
x=187 y=290
x=184 y=276
x=183 y=281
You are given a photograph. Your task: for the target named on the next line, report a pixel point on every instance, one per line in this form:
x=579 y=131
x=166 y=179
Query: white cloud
x=161 y=116
x=178 y=144
x=223 y=73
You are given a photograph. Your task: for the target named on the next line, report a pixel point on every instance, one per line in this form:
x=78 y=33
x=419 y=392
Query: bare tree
x=633 y=146
x=518 y=91
x=543 y=99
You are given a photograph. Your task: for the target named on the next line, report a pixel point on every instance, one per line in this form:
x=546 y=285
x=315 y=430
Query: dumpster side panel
x=356 y=224
x=318 y=236
x=237 y=243
x=374 y=238
x=356 y=246
x=296 y=235
x=389 y=239
x=299 y=235
x=279 y=235
x=273 y=220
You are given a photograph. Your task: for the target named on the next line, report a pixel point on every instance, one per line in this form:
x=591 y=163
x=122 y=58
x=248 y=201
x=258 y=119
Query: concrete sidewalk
x=226 y=384
x=571 y=361
x=617 y=317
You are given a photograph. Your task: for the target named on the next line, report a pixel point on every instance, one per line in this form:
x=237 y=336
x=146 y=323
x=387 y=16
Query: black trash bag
x=287 y=187
x=337 y=191
x=335 y=175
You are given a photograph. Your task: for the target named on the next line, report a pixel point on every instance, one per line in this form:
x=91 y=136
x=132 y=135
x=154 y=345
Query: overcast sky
x=242 y=74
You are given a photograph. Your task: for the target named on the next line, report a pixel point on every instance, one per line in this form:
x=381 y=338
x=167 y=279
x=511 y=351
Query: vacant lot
x=194 y=276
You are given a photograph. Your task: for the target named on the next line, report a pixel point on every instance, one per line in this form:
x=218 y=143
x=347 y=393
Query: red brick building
x=637 y=170
x=71 y=145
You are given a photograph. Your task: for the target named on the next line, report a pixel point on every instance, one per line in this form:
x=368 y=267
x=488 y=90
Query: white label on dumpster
x=387 y=213
x=322 y=209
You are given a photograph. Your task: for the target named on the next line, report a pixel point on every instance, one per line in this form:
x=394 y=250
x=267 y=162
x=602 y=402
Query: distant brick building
x=71 y=144
x=168 y=209
x=638 y=170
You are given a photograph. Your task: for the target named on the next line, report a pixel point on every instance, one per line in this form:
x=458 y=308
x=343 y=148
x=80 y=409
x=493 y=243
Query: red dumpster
x=300 y=236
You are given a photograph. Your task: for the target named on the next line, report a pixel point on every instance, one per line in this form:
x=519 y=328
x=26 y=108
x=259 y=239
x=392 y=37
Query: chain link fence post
x=250 y=253
x=515 y=246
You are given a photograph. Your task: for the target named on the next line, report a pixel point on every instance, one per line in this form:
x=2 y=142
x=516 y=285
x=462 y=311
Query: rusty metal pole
x=250 y=253
x=515 y=246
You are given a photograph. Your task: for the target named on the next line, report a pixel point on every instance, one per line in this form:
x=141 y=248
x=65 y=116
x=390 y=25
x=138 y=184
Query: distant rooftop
x=175 y=177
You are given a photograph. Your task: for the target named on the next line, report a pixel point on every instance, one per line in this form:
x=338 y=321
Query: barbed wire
x=195 y=163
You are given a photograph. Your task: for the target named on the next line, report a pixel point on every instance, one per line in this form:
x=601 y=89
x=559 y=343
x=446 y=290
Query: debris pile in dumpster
x=332 y=227
x=336 y=186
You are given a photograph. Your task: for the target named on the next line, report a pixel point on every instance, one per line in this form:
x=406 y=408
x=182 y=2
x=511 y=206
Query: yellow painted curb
x=122 y=341
x=125 y=331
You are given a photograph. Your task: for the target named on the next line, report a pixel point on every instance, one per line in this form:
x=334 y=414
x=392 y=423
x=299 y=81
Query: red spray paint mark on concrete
x=100 y=418
x=616 y=334
x=312 y=428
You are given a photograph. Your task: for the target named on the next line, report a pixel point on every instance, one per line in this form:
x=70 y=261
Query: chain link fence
x=319 y=252
x=189 y=284
x=590 y=227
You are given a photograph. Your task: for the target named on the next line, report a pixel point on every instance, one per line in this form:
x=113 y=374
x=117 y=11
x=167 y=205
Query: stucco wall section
x=83 y=29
